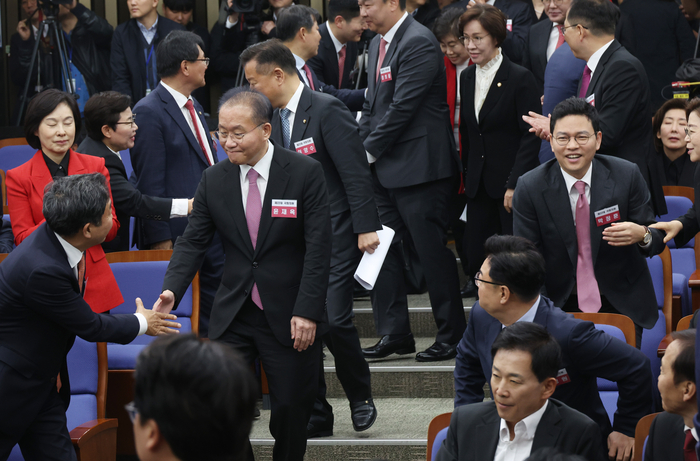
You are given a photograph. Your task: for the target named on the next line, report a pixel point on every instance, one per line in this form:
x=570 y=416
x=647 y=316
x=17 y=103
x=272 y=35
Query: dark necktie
x=200 y=138
x=689 y=447
x=253 y=211
x=585 y=82
x=286 y=131
x=341 y=66
x=586 y=284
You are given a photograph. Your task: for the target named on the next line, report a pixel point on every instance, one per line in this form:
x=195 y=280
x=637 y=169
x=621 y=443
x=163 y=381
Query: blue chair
x=14 y=156
x=641 y=433
x=93 y=436
x=437 y=433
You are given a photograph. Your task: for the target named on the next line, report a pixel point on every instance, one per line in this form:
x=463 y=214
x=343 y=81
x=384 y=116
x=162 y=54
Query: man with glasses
x=509 y=283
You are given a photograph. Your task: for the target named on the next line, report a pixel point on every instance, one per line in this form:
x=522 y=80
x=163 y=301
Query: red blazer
x=25 y=193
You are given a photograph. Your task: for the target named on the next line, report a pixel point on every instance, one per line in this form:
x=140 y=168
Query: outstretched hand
x=158 y=322
x=165 y=302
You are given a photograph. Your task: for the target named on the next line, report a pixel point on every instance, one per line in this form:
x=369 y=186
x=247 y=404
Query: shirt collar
x=529 y=316
x=55 y=167
x=570 y=180
x=389 y=36
x=300 y=62
x=180 y=99
x=263 y=165
x=595 y=57
x=527 y=426
x=294 y=100
x=114 y=151
x=336 y=43
x=150 y=29
x=692 y=430
x=72 y=253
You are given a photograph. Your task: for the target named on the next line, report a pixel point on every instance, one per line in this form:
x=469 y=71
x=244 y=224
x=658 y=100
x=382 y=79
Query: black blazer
x=691 y=226
x=324 y=119
x=535 y=53
x=473 y=433
x=128 y=63
x=542 y=214
x=427 y=13
x=128 y=201
x=405 y=121
x=499 y=148
x=41 y=313
x=291 y=260
x=666 y=438
x=325 y=63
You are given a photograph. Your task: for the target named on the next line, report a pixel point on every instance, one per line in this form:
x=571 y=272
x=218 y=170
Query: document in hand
x=370 y=265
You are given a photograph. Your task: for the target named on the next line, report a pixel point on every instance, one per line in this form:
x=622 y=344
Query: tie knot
x=587 y=71
x=285 y=112
x=341 y=53
x=580 y=187
x=189 y=104
x=252 y=176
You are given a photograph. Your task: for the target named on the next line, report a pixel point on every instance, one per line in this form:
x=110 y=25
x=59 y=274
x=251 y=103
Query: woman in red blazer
x=50 y=125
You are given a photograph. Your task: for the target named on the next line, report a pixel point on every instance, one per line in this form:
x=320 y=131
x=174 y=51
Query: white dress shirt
x=573 y=192
x=292 y=106
x=150 y=33
x=263 y=169
x=181 y=100
x=595 y=57
x=74 y=256
x=520 y=447
x=484 y=78
x=553 y=40
x=336 y=43
x=300 y=67
x=528 y=316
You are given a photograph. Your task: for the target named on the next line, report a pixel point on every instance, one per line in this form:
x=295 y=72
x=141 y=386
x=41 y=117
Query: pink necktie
x=308 y=75
x=586 y=284
x=561 y=40
x=585 y=81
x=200 y=138
x=341 y=66
x=253 y=211
x=382 y=53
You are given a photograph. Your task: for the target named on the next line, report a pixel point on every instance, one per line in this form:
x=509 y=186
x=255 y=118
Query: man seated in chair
x=521 y=418
x=671 y=435
x=193 y=400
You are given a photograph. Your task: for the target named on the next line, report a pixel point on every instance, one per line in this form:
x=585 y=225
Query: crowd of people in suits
x=536 y=132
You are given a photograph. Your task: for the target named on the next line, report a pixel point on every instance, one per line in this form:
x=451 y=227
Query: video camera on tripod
x=249 y=11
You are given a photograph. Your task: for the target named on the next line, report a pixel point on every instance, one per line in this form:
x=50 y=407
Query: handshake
x=159 y=323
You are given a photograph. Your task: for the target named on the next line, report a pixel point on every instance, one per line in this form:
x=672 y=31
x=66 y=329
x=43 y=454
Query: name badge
x=305 y=146
x=563 y=377
x=385 y=74
x=509 y=25
x=591 y=100
x=284 y=208
x=607 y=215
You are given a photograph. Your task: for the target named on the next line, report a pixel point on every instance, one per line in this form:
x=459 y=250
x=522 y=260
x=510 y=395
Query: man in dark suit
x=670 y=435
x=338 y=48
x=134 y=61
x=588 y=214
x=42 y=311
x=320 y=126
x=509 y=287
x=409 y=141
x=111 y=128
x=521 y=418
x=270 y=206
x=172 y=149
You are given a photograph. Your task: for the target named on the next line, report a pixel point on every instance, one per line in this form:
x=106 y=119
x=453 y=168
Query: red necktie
x=200 y=138
x=382 y=53
x=689 y=447
x=253 y=211
x=341 y=66
x=81 y=273
x=308 y=75
x=586 y=284
x=561 y=40
x=585 y=81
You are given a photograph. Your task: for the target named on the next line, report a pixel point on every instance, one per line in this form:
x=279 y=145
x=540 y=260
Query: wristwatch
x=647 y=237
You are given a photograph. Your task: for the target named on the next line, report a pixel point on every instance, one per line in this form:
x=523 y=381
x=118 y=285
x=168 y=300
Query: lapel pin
x=498 y=84
x=304 y=120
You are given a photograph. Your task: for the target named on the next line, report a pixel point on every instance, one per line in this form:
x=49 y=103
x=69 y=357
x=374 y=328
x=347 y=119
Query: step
x=420 y=317
x=392 y=437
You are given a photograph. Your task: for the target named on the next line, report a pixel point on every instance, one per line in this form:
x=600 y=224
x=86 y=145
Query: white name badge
x=509 y=25
x=591 y=100
x=284 y=208
x=385 y=74
x=607 y=215
x=305 y=146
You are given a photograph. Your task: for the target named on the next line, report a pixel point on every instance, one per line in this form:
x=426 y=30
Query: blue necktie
x=286 y=132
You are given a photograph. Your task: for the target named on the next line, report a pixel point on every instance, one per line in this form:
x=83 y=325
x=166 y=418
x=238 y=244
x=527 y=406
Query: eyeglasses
x=689 y=132
x=205 y=60
x=465 y=39
x=581 y=139
x=556 y=2
x=131 y=410
x=222 y=136
x=563 y=29
x=130 y=122
x=478 y=280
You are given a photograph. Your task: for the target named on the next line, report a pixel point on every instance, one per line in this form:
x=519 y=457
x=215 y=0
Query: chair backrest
x=14 y=156
x=661 y=269
x=640 y=435
x=680 y=191
x=623 y=326
x=13 y=142
x=684 y=323
x=437 y=424
x=677 y=206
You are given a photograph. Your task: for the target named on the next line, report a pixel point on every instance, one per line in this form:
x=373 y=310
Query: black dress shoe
x=469 y=290
x=436 y=352
x=320 y=428
x=363 y=414
x=387 y=346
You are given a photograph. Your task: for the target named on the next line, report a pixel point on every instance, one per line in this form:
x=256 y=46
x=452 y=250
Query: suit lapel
x=301 y=118
x=134 y=37
x=41 y=175
x=602 y=189
x=486 y=433
x=470 y=86
x=548 y=429
x=276 y=185
x=556 y=197
x=542 y=44
x=498 y=86
x=600 y=68
x=373 y=56
x=234 y=201
x=330 y=55
x=277 y=128
x=75 y=165
x=175 y=112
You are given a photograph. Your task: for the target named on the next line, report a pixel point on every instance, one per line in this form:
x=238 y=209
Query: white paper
x=370 y=265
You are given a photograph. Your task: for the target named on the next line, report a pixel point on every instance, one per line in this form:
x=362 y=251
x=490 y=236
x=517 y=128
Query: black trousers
x=419 y=213
x=292 y=378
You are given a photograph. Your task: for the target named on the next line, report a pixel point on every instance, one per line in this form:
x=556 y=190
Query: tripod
x=54 y=33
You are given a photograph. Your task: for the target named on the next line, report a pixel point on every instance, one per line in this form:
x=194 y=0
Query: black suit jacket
x=691 y=226
x=325 y=63
x=330 y=125
x=405 y=121
x=666 y=438
x=542 y=214
x=473 y=433
x=41 y=312
x=128 y=201
x=535 y=53
x=127 y=60
x=499 y=148
x=291 y=260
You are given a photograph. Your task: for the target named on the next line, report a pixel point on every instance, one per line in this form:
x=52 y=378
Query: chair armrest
x=96 y=440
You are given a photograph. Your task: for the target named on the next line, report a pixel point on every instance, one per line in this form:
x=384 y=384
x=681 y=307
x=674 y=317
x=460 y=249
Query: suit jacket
x=41 y=312
x=542 y=214
x=499 y=148
x=666 y=438
x=474 y=429
x=353 y=99
x=621 y=95
x=691 y=226
x=325 y=63
x=324 y=119
x=291 y=260
x=127 y=60
x=587 y=353
x=405 y=121
x=167 y=159
x=25 y=196
x=535 y=52
x=128 y=201
x=427 y=13
x=685 y=175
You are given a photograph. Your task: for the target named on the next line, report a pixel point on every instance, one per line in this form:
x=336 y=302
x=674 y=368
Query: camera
x=241 y=6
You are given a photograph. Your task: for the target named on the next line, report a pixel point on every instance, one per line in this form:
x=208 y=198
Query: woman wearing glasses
x=497 y=147
x=50 y=125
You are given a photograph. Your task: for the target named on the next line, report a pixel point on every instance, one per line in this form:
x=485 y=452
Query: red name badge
x=284 y=208
x=563 y=377
x=509 y=25
x=305 y=146
x=607 y=216
x=591 y=100
x=385 y=74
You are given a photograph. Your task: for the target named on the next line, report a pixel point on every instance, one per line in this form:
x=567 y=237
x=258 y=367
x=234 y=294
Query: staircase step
x=393 y=436
x=420 y=317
